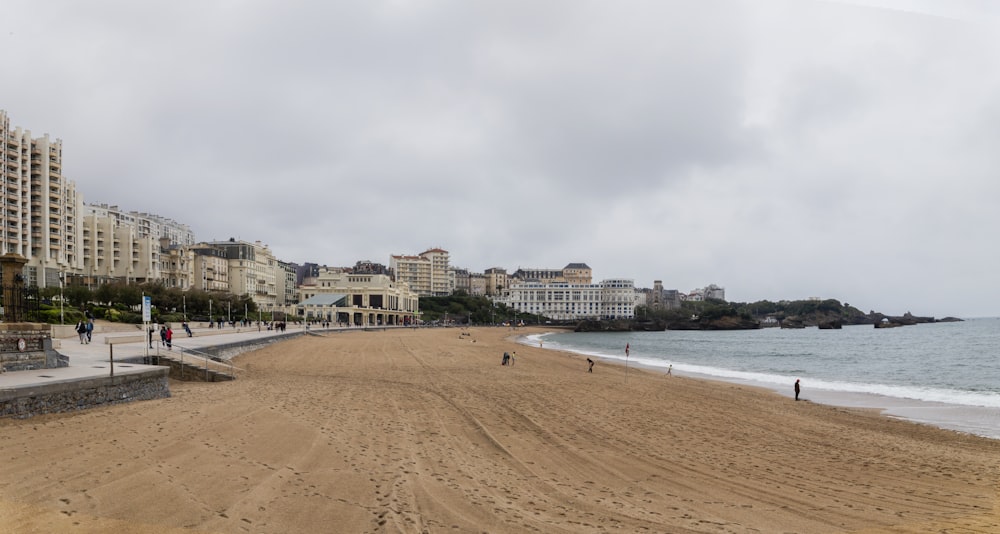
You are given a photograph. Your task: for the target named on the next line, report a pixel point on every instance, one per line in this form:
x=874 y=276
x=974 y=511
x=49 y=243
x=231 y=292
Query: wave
x=781 y=382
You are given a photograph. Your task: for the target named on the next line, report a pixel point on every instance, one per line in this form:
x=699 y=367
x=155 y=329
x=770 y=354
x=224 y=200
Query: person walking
x=797 y=389
x=90 y=329
x=163 y=335
x=81 y=330
x=669 y=369
x=169 y=337
x=590 y=365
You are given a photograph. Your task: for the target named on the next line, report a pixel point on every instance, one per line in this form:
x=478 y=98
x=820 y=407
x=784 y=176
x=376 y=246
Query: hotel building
x=609 y=299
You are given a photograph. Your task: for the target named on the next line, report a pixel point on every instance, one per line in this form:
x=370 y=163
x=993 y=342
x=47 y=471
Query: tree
x=77 y=295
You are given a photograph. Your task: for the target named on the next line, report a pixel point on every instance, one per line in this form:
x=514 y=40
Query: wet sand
x=425 y=431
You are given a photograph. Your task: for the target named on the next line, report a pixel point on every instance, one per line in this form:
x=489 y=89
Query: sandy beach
x=425 y=431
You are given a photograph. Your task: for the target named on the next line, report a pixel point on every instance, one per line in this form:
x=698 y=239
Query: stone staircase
x=194 y=369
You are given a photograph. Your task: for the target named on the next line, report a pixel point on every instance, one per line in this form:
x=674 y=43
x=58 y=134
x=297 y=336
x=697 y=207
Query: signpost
x=147 y=304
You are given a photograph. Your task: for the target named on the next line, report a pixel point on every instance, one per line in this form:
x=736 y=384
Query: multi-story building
x=176 y=265
x=462 y=279
x=135 y=247
x=427 y=273
x=415 y=271
x=114 y=251
x=286 y=292
x=369 y=267
x=211 y=268
x=496 y=280
x=477 y=284
x=148 y=224
x=711 y=291
x=609 y=299
x=252 y=270
x=442 y=279
x=573 y=273
x=357 y=300
x=40 y=207
x=578 y=273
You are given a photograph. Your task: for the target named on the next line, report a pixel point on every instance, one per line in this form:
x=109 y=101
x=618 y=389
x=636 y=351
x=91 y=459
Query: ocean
x=943 y=374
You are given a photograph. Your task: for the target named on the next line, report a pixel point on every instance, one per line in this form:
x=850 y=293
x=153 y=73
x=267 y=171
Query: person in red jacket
x=170 y=337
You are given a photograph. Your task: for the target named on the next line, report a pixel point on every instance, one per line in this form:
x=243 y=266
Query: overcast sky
x=780 y=149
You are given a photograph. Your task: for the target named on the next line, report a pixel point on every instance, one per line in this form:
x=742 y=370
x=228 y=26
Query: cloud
x=780 y=149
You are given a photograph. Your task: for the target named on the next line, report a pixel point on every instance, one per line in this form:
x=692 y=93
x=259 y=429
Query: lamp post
x=62 y=280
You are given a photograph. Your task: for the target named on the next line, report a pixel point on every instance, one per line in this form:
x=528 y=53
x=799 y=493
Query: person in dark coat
x=797 y=389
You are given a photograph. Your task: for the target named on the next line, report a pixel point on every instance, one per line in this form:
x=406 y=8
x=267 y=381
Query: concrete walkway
x=94 y=359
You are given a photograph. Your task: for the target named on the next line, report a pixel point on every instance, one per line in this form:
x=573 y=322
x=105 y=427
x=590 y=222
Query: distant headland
x=719 y=315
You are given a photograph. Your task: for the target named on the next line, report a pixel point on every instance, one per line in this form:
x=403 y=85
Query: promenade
x=110 y=344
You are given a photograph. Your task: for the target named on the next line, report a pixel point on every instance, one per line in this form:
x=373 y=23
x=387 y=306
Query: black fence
x=20 y=304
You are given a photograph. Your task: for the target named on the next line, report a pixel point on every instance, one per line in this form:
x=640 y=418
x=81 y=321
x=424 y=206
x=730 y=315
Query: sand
x=425 y=431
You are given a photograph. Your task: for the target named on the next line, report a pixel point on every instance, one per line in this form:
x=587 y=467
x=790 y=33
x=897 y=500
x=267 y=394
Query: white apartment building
x=147 y=224
x=40 y=208
x=427 y=273
x=609 y=299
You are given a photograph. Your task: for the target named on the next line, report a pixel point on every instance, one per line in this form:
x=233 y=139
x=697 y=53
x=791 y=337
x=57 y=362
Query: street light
x=62 y=279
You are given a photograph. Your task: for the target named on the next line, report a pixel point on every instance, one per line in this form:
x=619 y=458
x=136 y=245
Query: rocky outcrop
x=907 y=319
x=621 y=325
x=729 y=322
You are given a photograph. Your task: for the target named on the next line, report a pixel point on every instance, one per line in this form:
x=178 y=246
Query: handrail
x=208 y=359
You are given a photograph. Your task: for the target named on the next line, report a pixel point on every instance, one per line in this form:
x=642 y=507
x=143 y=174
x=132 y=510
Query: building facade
x=609 y=299
x=115 y=252
x=176 y=265
x=428 y=273
x=496 y=280
x=349 y=299
x=40 y=208
x=210 y=270
x=252 y=270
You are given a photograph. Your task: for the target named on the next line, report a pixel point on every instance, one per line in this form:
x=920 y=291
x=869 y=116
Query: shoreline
x=973 y=420
x=423 y=430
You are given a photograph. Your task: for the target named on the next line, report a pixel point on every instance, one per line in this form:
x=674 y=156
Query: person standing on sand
x=797 y=389
x=590 y=365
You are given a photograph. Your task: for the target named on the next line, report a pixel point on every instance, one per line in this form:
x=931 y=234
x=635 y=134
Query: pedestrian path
x=100 y=357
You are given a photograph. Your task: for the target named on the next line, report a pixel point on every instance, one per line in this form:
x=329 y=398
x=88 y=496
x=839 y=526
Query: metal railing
x=210 y=362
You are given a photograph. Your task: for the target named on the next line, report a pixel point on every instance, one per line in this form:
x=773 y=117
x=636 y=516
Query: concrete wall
x=72 y=395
